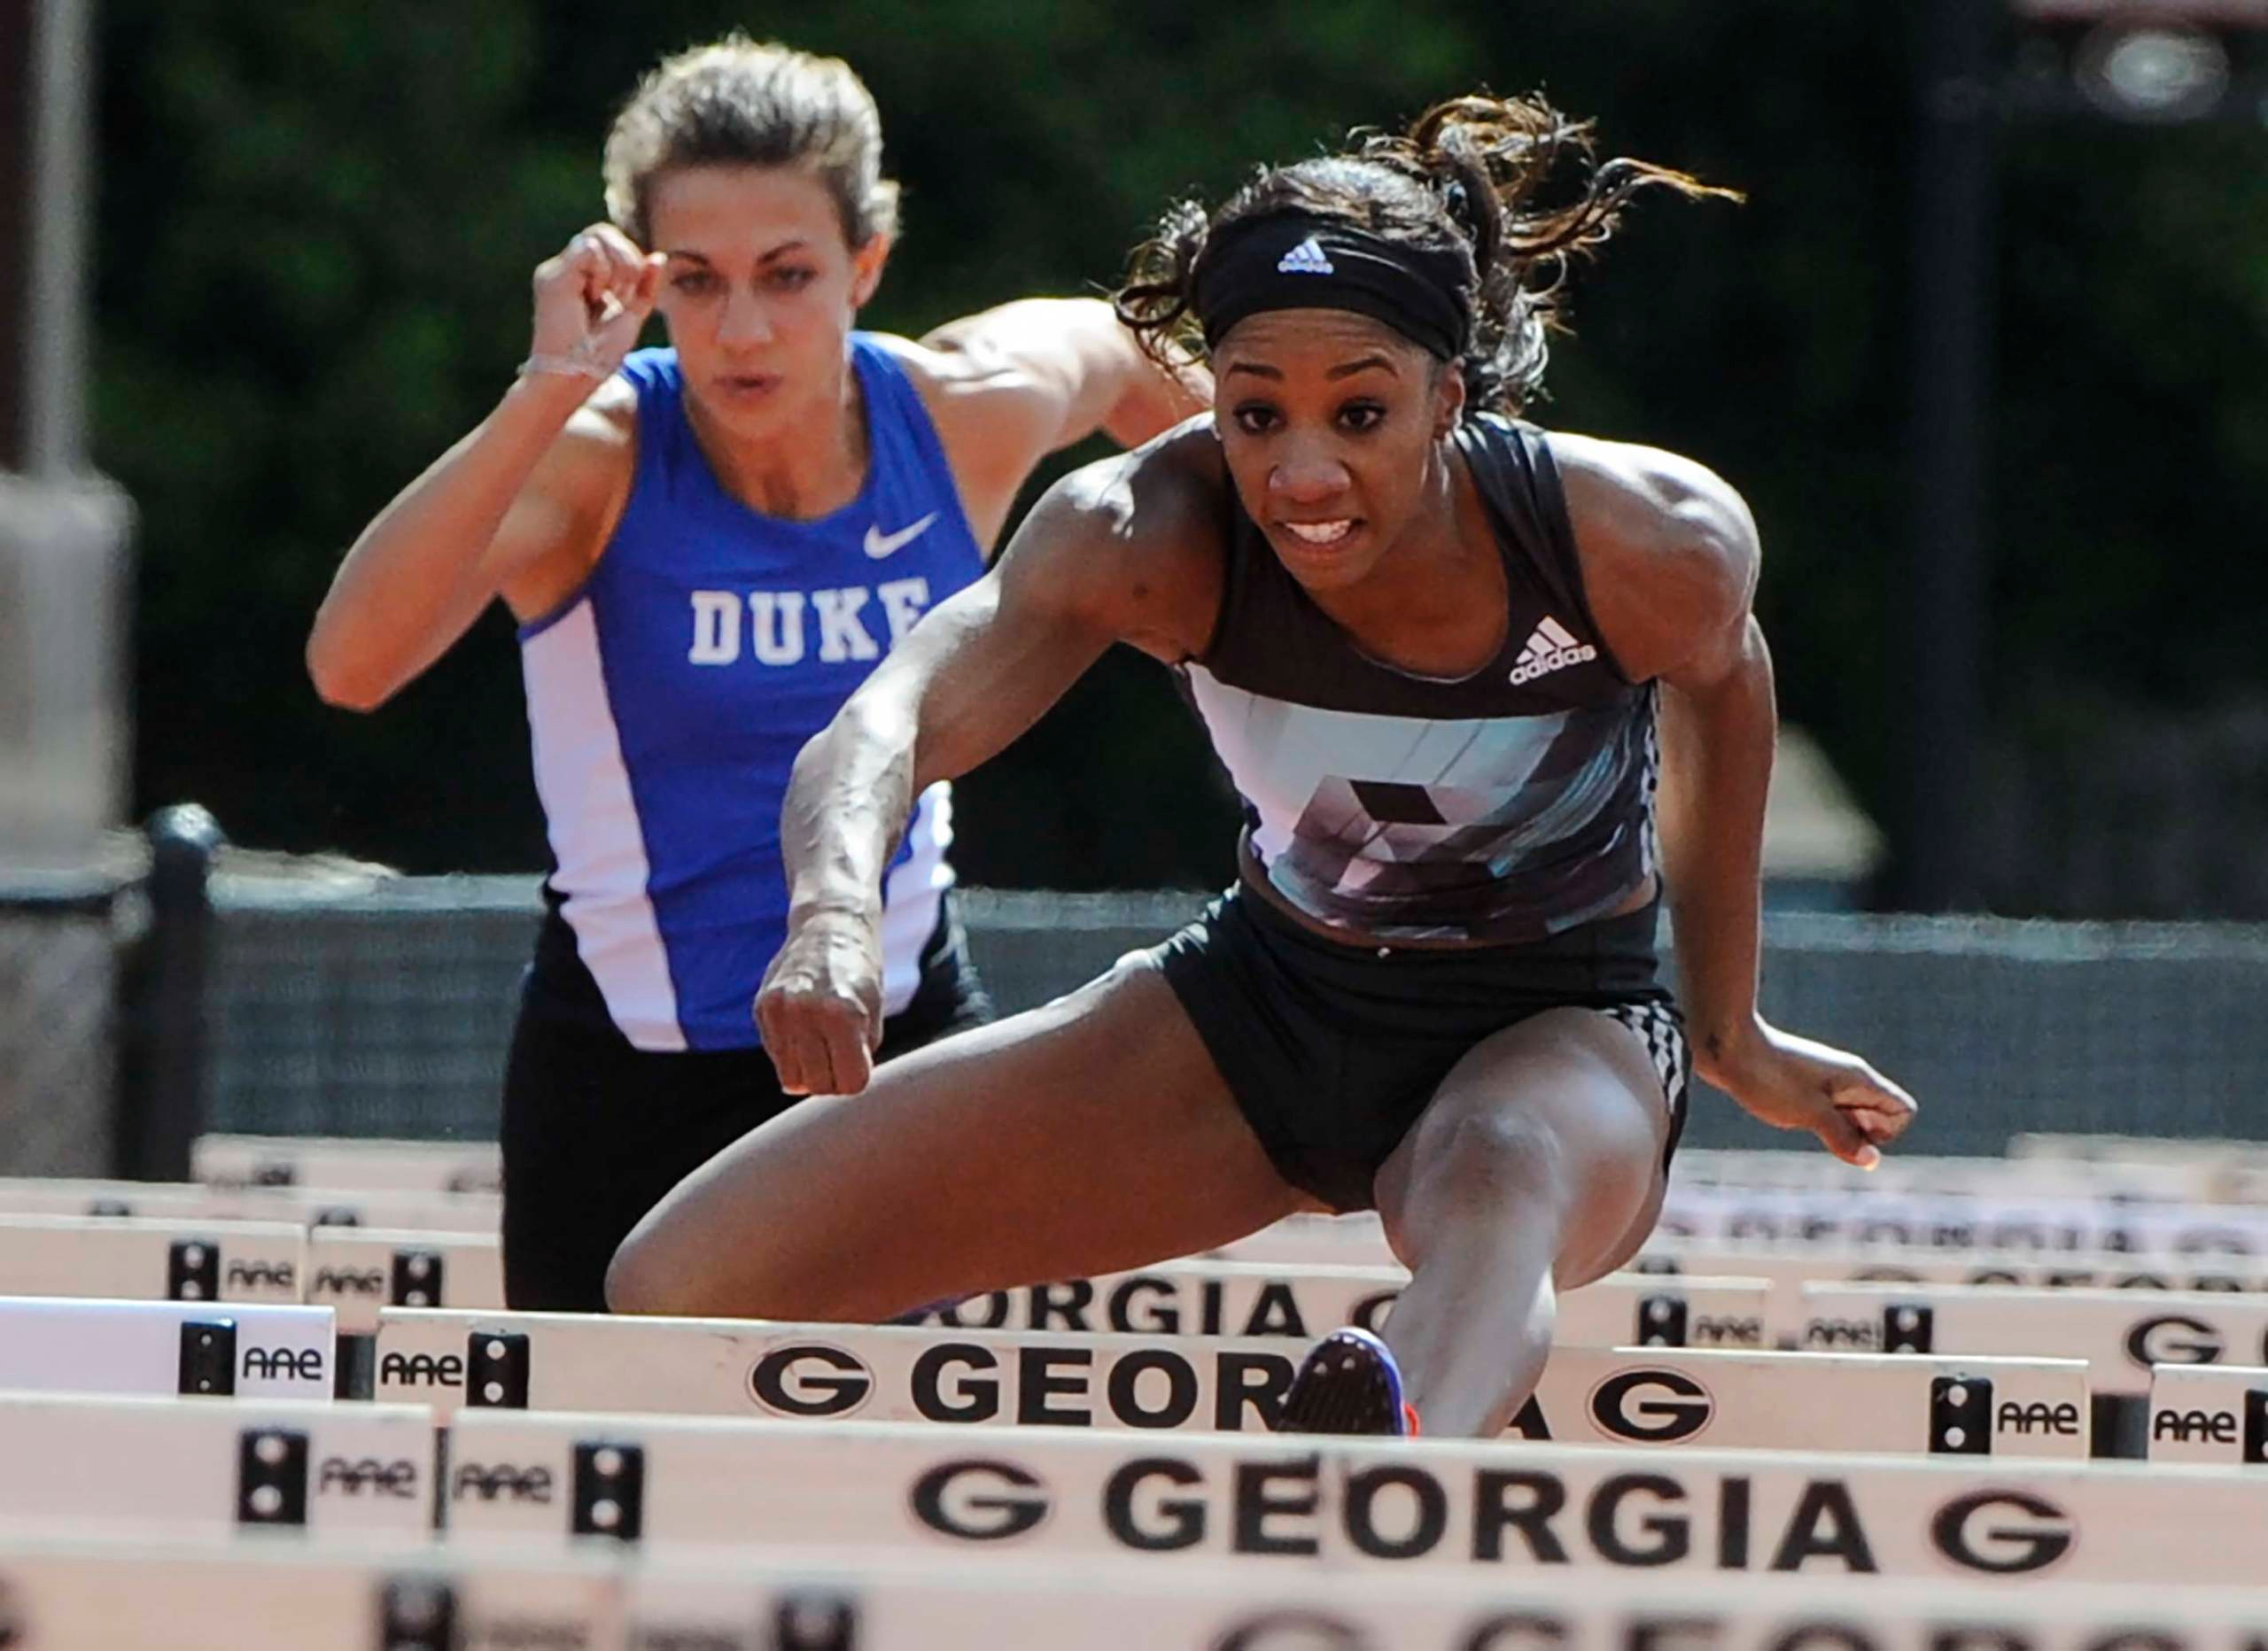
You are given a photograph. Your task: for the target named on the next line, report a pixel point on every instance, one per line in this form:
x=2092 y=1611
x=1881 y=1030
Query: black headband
x=1294 y=262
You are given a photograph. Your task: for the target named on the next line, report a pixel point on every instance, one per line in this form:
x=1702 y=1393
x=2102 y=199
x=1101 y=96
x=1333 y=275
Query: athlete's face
x=1329 y=421
x=760 y=289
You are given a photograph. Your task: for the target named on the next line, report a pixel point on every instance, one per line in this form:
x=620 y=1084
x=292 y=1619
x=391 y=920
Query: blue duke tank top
x=1501 y=807
x=669 y=697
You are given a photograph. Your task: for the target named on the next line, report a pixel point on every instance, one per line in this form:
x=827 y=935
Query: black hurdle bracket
x=418 y=1613
x=193 y=1270
x=208 y=1358
x=1961 y=1416
x=2256 y=1425
x=496 y=1370
x=1661 y=1321
x=1908 y=1327
x=271 y=1476
x=417 y=1275
x=609 y=1491
x=807 y=1621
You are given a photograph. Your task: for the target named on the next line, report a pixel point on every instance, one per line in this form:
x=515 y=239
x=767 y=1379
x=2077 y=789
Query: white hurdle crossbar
x=368 y=1165
x=1918 y=1221
x=838 y=1373
x=358 y=1272
x=2212 y=1412
x=191 y=1466
x=1786 y=1269
x=54 y=1344
x=93 y=1592
x=1301 y=1302
x=1338 y=1504
x=146 y=1261
x=254 y=1593
x=298 y=1207
x=2120 y=1334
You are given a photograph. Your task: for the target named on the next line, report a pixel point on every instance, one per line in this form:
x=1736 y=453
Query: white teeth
x=1321 y=532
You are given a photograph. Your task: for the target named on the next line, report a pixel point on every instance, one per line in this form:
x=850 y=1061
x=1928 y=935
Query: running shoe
x=1347 y=1383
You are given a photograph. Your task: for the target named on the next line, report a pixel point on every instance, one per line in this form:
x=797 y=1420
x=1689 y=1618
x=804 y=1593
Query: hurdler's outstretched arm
x=1081 y=572
x=1672 y=554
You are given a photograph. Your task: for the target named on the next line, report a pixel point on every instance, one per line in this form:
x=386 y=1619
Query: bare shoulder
x=1669 y=547
x=1134 y=542
x=597 y=448
x=559 y=526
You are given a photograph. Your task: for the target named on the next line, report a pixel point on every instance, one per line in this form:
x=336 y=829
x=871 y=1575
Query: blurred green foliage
x=317 y=222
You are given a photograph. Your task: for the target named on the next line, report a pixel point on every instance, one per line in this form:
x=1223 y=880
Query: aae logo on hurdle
x=421 y=1369
x=339 y=1476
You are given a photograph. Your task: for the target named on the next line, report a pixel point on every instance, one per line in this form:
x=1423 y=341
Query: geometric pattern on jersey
x=1662 y=1029
x=1503 y=806
x=668 y=698
x=1505 y=828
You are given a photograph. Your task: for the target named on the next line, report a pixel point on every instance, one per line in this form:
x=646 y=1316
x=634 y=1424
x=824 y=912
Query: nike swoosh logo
x=879 y=544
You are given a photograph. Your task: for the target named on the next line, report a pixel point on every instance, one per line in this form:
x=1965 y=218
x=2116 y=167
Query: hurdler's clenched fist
x=591 y=301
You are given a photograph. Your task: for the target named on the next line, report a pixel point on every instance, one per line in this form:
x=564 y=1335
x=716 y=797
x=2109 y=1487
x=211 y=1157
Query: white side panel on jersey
x=595 y=834
x=911 y=895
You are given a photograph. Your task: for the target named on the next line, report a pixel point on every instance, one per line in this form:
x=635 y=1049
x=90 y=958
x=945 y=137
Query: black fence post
x=161 y=1074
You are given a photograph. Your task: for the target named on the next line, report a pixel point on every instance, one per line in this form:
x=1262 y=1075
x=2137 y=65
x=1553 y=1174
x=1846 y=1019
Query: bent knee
x=638 y=1281
x=1497 y=1154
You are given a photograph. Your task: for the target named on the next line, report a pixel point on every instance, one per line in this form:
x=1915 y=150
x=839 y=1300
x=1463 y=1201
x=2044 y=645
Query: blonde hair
x=740 y=103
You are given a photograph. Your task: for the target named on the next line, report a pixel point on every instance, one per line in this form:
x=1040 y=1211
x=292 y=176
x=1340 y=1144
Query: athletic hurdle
x=1786 y=1269
x=87 y=1594
x=1909 y=1174
x=1731 y=1215
x=144 y=1260
x=1338 y=1504
x=90 y=1592
x=888 y=1606
x=839 y=1372
x=172 y=1463
x=2196 y=1153
x=54 y=1344
x=357 y=1272
x=299 y=1206
x=1254 y=1299
x=2121 y=1334
x=2213 y=1412
x=346 y=1164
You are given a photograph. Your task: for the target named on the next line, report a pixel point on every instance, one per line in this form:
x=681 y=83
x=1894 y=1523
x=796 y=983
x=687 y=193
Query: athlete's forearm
x=849 y=801
x=1717 y=748
x=413 y=580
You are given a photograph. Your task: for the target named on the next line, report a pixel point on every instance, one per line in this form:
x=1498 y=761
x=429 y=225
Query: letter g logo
x=2172 y=1338
x=1651 y=1406
x=811 y=1379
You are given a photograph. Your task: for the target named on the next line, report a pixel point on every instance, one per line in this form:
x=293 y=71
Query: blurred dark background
x=317 y=225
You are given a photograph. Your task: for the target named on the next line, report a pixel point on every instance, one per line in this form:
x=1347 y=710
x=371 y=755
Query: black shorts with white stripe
x=1332 y=1050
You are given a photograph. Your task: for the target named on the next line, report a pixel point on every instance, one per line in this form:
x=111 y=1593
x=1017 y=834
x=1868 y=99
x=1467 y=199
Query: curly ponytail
x=1465 y=178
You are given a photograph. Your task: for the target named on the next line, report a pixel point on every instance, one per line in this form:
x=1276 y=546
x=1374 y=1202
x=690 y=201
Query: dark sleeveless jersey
x=1503 y=806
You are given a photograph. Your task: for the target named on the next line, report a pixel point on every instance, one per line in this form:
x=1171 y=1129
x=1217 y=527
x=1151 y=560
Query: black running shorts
x=1332 y=1050
x=595 y=1131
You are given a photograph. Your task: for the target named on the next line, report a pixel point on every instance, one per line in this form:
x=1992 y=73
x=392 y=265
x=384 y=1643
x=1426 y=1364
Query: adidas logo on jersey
x=1306 y=259
x=1552 y=647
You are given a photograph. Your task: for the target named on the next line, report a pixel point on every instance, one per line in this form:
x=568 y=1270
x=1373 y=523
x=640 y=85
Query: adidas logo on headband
x=1306 y=259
